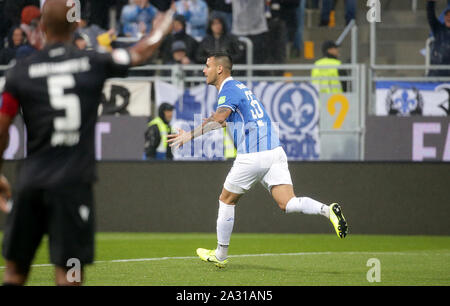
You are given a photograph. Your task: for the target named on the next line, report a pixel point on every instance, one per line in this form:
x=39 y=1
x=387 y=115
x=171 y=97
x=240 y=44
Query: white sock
x=307 y=206
x=221 y=252
x=225 y=222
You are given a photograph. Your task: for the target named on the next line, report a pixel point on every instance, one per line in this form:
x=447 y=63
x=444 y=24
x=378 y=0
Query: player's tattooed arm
x=219 y=117
x=216 y=121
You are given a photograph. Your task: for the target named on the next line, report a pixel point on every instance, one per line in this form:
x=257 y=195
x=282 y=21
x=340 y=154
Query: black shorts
x=66 y=214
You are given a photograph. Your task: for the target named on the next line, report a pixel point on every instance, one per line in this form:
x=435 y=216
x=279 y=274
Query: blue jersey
x=249 y=125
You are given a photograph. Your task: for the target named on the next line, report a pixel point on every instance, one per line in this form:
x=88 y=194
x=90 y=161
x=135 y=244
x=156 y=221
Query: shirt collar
x=224 y=81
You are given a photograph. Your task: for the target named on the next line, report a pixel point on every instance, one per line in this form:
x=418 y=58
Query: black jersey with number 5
x=59 y=90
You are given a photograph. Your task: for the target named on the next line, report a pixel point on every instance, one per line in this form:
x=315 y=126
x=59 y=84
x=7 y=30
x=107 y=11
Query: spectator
x=440 y=52
x=13 y=9
x=16 y=38
x=137 y=17
x=156 y=147
x=221 y=8
x=442 y=15
x=179 y=55
x=128 y=19
x=96 y=38
x=79 y=42
x=218 y=39
x=277 y=36
x=328 y=7
x=195 y=13
x=178 y=33
x=288 y=12
x=30 y=24
x=249 y=20
x=331 y=53
x=298 y=38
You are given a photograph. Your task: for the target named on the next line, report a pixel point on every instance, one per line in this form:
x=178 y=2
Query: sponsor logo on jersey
x=222 y=100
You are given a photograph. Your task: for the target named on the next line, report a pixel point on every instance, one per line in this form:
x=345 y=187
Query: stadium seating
x=400 y=29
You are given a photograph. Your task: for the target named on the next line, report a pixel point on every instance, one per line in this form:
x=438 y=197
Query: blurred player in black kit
x=58 y=90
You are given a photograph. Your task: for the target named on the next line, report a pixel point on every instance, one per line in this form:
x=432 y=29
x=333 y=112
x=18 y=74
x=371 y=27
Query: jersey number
x=66 y=128
x=257 y=112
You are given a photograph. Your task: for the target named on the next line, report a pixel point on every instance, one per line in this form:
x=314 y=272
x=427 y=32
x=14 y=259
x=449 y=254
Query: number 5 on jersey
x=66 y=128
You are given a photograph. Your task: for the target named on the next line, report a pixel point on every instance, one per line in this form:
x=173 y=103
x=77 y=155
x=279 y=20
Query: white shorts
x=268 y=167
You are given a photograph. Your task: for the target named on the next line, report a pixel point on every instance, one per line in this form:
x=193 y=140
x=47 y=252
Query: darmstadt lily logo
x=404 y=103
x=295 y=108
x=295 y=111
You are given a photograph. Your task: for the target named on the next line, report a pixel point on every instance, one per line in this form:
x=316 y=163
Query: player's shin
x=307 y=206
x=225 y=222
x=15 y=274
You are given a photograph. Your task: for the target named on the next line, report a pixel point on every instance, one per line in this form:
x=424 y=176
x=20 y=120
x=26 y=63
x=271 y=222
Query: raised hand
x=177 y=140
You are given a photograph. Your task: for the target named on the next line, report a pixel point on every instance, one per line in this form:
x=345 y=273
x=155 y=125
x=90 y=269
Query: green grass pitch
x=259 y=260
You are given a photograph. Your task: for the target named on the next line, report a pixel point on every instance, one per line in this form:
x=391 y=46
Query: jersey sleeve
x=228 y=99
x=116 y=64
x=9 y=102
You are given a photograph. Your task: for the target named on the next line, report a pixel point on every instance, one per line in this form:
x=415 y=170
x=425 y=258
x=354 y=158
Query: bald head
x=55 y=21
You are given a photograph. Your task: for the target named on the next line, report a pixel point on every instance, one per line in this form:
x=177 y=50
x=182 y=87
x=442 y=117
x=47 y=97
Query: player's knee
x=229 y=197
x=227 y=200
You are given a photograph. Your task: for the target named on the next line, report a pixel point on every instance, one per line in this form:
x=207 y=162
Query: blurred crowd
x=200 y=26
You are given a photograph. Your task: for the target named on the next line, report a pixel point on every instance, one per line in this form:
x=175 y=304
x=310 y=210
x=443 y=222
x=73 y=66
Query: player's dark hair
x=223 y=57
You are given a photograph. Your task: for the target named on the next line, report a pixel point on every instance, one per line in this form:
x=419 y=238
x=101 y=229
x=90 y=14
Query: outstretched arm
x=216 y=121
x=145 y=48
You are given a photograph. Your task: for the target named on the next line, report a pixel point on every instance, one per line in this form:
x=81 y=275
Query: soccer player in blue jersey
x=260 y=158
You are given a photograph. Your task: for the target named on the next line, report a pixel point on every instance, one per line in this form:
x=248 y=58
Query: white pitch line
x=254 y=255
